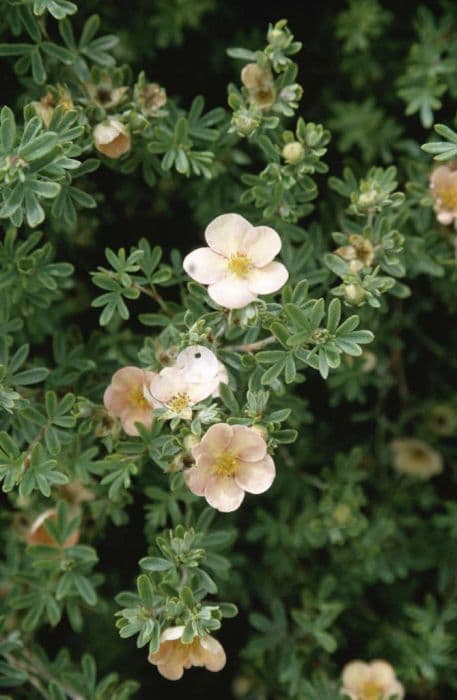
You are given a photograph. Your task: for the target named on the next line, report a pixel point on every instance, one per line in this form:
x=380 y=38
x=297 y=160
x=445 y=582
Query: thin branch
x=251 y=347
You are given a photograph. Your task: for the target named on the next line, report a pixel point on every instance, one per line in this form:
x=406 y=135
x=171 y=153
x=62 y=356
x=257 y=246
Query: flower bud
x=260 y=84
x=244 y=124
x=293 y=152
x=354 y=294
x=278 y=38
x=112 y=138
x=342 y=514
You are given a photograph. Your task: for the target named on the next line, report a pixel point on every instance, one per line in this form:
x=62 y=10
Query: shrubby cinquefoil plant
x=227 y=342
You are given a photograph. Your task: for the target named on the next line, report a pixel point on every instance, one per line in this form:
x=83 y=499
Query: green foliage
x=108 y=178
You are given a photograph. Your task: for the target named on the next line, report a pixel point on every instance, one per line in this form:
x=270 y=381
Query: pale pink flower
x=371 y=681
x=174 y=656
x=238 y=264
x=230 y=459
x=195 y=375
x=126 y=398
x=443 y=184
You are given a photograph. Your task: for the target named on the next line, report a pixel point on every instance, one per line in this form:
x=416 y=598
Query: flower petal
x=213 y=654
x=263 y=245
x=382 y=672
x=167 y=384
x=132 y=416
x=216 y=440
x=198 y=364
x=247 y=444
x=205 y=266
x=355 y=674
x=232 y=292
x=226 y=234
x=223 y=494
x=256 y=477
x=268 y=279
x=196 y=479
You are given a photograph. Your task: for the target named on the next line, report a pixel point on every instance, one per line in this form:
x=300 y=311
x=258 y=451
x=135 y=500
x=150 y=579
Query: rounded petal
x=256 y=477
x=198 y=364
x=205 y=266
x=197 y=478
x=115 y=400
x=263 y=246
x=167 y=384
x=226 y=234
x=139 y=415
x=247 y=444
x=223 y=494
x=216 y=440
x=268 y=279
x=355 y=674
x=395 y=690
x=172 y=633
x=232 y=292
x=445 y=217
x=382 y=672
x=127 y=377
x=213 y=654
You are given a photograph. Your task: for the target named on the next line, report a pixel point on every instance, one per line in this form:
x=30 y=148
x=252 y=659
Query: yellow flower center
x=136 y=398
x=239 y=264
x=226 y=465
x=370 y=691
x=448 y=197
x=179 y=402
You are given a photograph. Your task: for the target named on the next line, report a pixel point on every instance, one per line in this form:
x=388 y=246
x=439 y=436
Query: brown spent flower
x=104 y=94
x=260 y=85
x=151 y=98
x=46 y=105
x=443 y=186
x=112 y=138
x=38 y=534
x=359 y=253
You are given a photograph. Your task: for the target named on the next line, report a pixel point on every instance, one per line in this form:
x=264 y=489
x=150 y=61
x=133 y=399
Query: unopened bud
x=293 y=152
x=354 y=294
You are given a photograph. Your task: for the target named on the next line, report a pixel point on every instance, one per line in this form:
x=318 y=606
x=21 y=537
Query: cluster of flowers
x=237 y=265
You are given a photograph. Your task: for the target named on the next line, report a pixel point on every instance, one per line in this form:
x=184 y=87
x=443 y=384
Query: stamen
x=226 y=465
x=179 y=402
x=239 y=264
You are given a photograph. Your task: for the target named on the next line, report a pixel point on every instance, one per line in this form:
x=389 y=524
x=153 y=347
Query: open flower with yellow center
x=371 y=681
x=359 y=253
x=173 y=656
x=260 y=85
x=112 y=138
x=238 y=264
x=126 y=398
x=230 y=460
x=195 y=375
x=443 y=185
x=416 y=458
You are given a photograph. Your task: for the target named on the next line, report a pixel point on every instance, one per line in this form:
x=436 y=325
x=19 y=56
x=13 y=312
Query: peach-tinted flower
x=112 y=138
x=359 y=253
x=238 y=264
x=230 y=460
x=260 y=85
x=37 y=533
x=443 y=185
x=173 y=656
x=416 y=458
x=371 y=681
x=126 y=398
